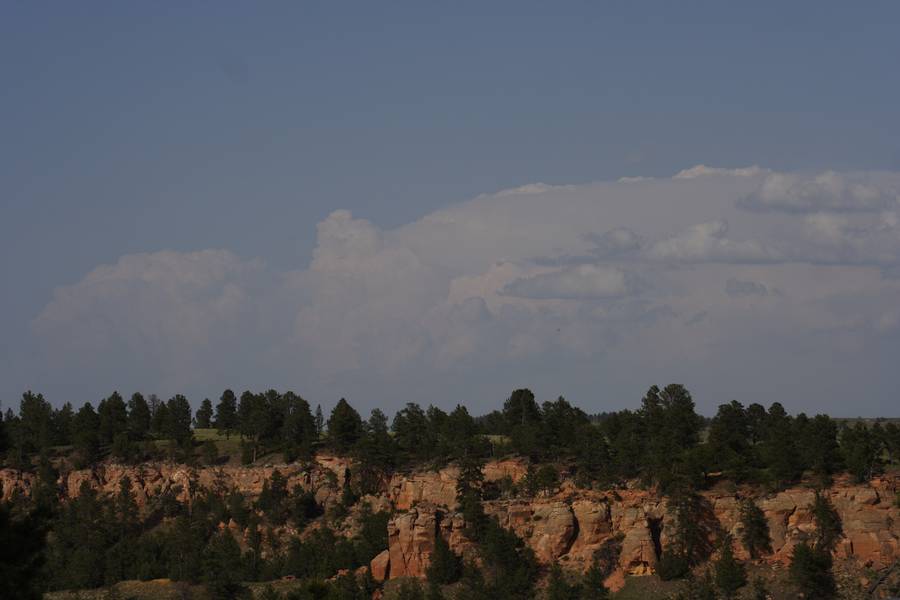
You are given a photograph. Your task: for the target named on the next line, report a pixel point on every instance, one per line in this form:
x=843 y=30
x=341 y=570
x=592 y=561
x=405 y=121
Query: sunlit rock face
x=570 y=527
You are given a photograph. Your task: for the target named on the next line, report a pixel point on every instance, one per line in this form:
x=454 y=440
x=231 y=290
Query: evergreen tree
x=410 y=589
x=138 y=417
x=178 y=421
x=226 y=413
x=593 y=587
x=754 y=529
x=671 y=427
x=560 y=589
x=21 y=554
x=113 y=416
x=779 y=451
x=829 y=529
x=203 y=417
x=729 y=441
x=320 y=422
x=445 y=567
x=811 y=572
x=35 y=428
x=222 y=566
x=861 y=449
x=730 y=575
x=4 y=443
x=298 y=430
x=344 y=427
x=86 y=434
x=62 y=425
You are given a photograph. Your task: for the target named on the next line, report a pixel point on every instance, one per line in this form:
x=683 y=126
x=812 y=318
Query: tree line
x=663 y=442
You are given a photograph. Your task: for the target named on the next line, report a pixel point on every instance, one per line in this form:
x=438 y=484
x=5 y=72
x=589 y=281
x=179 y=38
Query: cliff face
x=575 y=525
x=571 y=527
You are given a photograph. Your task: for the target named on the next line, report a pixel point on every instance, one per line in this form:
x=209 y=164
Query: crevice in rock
x=655 y=527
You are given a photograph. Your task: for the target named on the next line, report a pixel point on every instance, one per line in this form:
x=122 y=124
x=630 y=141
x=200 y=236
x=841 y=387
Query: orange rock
x=380 y=566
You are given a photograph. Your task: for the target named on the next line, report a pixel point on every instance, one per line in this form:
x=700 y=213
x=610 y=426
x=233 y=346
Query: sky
x=415 y=202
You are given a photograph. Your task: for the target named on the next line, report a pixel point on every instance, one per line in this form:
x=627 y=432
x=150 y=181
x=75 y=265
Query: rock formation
x=570 y=527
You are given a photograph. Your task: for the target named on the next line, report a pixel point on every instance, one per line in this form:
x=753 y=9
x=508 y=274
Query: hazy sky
x=401 y=202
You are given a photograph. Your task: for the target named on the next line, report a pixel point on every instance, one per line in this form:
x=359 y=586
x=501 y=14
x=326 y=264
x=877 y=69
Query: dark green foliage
x=204 y=414
x=818 y=446
x=303 y=506
x=672 y=565
x=226 y=413
x=861 y=449
x=758 y=590
x=21 y=554
x=344 y=427
x=177 y=425
x=544 y=479
x=829 y=529
x=4 y=439
x=34 y=430
x=138 y=417
x=445 y=567
x=811 y=572
x=85 y=435
x=693 y=525
x=730 y=442
x=779 y=451
x=754 y=529
x=372 y=538
x=510 y=562
x=730 y=575
x=113 y=417
x=410 y=589
x=413 y=433
x=222 y=567
x=671 y=428
x=210 y=452
x=558 y=588
x=593 y=588
x=698 y=588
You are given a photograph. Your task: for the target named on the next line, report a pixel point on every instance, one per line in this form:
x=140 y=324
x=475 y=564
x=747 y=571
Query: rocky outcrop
x=574 y=526
x=324 y=477
x=438 y=487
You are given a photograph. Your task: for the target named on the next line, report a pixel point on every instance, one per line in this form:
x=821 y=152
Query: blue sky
x=131 y=130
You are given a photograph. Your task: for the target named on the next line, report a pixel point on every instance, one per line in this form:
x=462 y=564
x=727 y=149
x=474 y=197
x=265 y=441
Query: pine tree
x=204 y=414
x=344 y=426
x=113 y=416
x=730 y=575
x=754 y=529
x=811 y=572
x=21 y=555
x=593 y=587
x=226 y=413
x=828 y=523
x=222 y=566
x=138 y=417
x=445 y=567
x=558 y=588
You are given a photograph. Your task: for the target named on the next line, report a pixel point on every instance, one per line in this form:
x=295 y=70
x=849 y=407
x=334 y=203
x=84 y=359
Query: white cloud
x=584 y=282
x=706 y=242
x=737 y=288
x=824 y=191
x=517 y=286
x=704 y=171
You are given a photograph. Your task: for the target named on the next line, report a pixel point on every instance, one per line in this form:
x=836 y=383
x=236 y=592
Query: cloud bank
x=743 y=283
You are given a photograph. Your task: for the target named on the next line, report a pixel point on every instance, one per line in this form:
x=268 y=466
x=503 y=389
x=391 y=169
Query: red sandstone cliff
x=568 y=527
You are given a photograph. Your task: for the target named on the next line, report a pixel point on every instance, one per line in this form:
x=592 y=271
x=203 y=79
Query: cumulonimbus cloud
x=528 y=279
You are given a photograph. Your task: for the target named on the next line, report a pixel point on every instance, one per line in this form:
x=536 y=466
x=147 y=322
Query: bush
x=672 y=565
x=811 y=571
